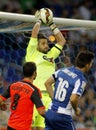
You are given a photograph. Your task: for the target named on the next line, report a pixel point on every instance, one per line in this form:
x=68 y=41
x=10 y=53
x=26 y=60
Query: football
x=46 y=15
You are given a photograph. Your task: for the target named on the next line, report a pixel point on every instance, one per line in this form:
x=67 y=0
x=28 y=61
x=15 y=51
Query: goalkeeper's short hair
x=41 y=36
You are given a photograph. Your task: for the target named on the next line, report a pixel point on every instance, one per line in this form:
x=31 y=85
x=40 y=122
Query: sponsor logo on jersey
x=48 y=59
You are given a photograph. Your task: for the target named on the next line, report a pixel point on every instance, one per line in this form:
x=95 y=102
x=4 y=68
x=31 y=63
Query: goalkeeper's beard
x=44 y=50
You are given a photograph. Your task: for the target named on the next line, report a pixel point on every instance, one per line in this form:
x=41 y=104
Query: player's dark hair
x=41 y=36
x=83 y=58
x=28 y=69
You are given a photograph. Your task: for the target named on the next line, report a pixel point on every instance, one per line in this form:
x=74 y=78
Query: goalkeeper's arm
x=57 y=33
x=36 y=27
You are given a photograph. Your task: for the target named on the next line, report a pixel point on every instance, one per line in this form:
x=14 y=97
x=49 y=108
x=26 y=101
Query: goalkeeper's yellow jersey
x=45 y=62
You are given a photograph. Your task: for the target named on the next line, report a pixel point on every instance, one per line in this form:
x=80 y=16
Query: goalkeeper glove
x=37 y=16
x=54 y=28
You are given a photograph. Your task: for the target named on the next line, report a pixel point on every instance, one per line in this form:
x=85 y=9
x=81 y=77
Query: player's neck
x=29 y=79
x=81 y=69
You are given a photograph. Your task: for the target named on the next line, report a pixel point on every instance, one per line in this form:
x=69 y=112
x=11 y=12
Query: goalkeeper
x=38 y=51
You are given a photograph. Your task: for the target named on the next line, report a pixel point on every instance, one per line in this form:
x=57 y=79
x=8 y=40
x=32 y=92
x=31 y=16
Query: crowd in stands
x=76 y=41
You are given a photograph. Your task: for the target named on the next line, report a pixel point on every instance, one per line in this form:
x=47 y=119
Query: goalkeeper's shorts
x=38 y=120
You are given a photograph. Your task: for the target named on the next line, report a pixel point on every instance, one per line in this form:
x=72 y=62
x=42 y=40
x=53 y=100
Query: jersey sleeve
x=55 y=75
x=55 y=51
x=5 y=94
x=32 y=45
x=36 y=98
x=79 y=87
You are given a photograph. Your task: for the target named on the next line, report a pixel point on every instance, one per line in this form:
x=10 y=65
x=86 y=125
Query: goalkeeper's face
x=43 y=46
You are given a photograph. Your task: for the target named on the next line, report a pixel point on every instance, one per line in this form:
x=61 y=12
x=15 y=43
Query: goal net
x=15 y=31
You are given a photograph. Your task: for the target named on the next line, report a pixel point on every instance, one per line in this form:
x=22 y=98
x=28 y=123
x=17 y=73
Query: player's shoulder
x=33 y=40
x=80 y=74
x=56 y=47
x=35 y=88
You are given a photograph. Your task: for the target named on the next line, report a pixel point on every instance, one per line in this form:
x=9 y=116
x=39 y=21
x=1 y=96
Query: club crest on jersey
x=48 y=59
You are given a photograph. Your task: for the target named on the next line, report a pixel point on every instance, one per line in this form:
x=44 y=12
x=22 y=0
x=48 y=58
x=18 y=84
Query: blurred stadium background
x=13 y=50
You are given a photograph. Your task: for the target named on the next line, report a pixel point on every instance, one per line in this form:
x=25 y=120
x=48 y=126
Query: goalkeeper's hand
x=51 y=24
x=38 y=16
x=53 y=27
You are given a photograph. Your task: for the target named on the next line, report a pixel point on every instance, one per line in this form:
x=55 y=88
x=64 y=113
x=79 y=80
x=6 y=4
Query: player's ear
x=87 y=67
x=35 y=74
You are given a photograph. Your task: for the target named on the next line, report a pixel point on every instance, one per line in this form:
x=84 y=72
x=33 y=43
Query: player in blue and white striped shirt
x=69 y=86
